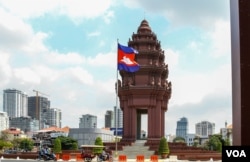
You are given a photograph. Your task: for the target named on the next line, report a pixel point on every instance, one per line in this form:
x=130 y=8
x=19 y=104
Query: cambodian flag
x=126 y=59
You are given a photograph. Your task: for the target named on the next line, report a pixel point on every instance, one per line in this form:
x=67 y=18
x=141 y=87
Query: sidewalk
x=170 y=159
x=148 y=160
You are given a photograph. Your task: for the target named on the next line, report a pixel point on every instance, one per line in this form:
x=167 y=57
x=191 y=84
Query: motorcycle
x=88 y=152
x=50 y=157
x=105 y=157
x=47 y=157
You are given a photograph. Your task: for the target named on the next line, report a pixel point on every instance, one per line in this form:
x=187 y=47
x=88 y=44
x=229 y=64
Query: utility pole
x=38 y=109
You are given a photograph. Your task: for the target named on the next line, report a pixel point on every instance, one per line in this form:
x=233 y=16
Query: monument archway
x=139 y=113
x=146 y=91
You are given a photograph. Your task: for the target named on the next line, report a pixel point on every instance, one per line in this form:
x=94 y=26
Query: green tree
x=16 y=143
x=74 y=146
x=195 y=144
x=214 y=143
x=57 y=148
x=163 y=147
x=98 y=141
x=68 y=143
x=26 y=144
x=227 y=142
x=5 y=144
x=197 y=141
x=224 y=142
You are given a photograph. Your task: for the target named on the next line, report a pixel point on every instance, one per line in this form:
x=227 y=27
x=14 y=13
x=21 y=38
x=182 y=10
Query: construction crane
x=37 y=110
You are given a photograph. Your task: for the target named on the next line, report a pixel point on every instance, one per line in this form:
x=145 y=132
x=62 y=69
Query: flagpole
x=116 y=153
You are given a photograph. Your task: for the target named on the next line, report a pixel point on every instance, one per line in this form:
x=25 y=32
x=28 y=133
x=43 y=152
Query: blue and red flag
x=126 y=59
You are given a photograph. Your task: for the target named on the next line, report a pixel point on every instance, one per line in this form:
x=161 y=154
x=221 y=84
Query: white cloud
x=191 y=87
x=80 y=75
x=107 y=86
x=172 y=58
x=221 y=79
x=181 y=13
x=195 y=46
x=26 y=76
x=47 y=74
x=74 y=9
x=5 y=68
x=35 y=44
x=103 y=59
x=16 y=35
x=71 y=58
x=221 y=38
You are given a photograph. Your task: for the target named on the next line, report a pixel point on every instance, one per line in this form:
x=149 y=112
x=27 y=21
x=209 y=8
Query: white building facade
x=119 y=118
x=88 y=121
x=204 y=129
x=15 y=103
x=53 y=117
x=190 y=139
x=4 y=121
x=87 y=136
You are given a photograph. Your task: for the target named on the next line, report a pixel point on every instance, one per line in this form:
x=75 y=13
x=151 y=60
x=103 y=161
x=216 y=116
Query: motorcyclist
x=46 y=153
x=104 y=155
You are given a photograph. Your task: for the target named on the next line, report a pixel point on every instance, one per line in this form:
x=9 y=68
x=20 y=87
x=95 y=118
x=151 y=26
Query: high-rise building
x=15 y=103
x=109 y=119
x=53 y=117
x=4 y=121
x=37 y=105
x=204 y=128
x=119 y=118
x=26 y=124
x=88 y=121
x=182 y=128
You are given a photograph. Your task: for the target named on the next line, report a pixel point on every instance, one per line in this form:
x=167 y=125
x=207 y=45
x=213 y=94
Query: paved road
x=21 y=160
x=12 y=160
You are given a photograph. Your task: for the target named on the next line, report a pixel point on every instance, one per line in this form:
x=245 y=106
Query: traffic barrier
x=79 y=157
x=65 y=157
x=57 y=156
x=140 y=158
x=154 y=158
x=122 y=158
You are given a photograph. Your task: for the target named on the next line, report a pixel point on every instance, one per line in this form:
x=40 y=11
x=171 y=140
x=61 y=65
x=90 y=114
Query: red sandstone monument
x=146 y=91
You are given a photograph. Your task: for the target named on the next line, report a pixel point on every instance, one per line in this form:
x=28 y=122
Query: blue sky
x=67 y=49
